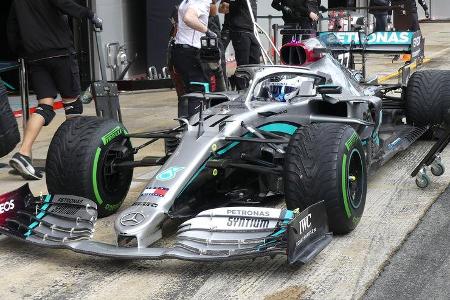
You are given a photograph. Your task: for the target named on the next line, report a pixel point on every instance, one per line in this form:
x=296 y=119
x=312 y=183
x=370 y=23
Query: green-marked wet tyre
x=80 y=159
x=326 y=161
x=9 y=131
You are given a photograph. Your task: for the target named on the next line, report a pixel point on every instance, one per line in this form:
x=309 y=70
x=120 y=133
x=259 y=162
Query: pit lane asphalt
x=342 y=271
x=421 y=268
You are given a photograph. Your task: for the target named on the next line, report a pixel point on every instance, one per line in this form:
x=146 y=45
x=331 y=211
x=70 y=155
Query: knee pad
x=45 y=111
x=74 y=108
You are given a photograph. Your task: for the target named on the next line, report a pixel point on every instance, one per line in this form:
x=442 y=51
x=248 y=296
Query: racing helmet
x=285 y=89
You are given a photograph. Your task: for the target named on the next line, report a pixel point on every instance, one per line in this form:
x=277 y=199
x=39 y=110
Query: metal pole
x=265 y=55
x=275 y=40
x=24 y=93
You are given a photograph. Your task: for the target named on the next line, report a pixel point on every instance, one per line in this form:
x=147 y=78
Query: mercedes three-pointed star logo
x=132 y=219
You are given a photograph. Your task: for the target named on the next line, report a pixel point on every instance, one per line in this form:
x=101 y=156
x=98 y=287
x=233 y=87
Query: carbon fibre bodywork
x=236 y=126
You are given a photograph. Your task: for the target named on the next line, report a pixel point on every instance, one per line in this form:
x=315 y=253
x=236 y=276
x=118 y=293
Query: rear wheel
x=80 y=162
x=326 y=161
x=428 y=97
x=9 y=131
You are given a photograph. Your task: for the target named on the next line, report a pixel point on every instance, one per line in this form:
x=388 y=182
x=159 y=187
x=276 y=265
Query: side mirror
x=329 y=89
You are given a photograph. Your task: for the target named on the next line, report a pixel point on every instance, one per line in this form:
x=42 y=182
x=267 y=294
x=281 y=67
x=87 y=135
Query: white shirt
x=185 y=34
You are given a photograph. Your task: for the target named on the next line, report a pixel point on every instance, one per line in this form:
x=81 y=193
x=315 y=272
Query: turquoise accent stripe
x=279 y=232
x=288 y=216
x=39 y=216
x=227 y=148
x=274 y=127
x=279 y=127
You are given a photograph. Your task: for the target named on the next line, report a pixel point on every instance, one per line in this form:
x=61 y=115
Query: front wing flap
x=229 y=233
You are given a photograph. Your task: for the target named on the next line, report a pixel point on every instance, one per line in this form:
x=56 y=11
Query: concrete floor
x=344 y=270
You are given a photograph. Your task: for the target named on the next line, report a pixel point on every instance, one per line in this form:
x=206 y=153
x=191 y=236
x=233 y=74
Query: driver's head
x=285 y=89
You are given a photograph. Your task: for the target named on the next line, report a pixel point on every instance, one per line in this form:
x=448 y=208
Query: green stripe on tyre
x=344 y=186
x=351 y=141
x=112 y=135
x=94 y=176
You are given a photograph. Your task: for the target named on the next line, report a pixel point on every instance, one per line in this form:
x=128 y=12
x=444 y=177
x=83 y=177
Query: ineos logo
x=132 y=219
x=7 y=206
x=305 y=224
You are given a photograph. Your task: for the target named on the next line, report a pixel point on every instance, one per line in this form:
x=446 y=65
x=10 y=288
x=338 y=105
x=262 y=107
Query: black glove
x=97 y=22
x=286 y=10
x=427 y=14
x=322 y=8
x=211 y=34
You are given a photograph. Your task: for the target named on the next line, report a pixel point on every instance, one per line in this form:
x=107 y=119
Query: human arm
x=276 y=4
x=312 y=7
x=213 y=10
x=72 y=9
x=224 y=7
x=425 y=8
x=191 y=18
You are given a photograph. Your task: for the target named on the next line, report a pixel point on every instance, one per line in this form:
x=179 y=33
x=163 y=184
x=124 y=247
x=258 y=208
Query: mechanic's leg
x=187 y=63
x=380 y=22
x=287 y=38
x=66 y=75
x=255 y=52
x=241 y=44
x=73 y=107
x=307 y=24
x=414 y=22
x=43 y=116
x=45 y=89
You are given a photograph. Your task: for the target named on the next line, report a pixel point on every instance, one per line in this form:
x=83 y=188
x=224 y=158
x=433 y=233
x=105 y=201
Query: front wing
x=229 y=233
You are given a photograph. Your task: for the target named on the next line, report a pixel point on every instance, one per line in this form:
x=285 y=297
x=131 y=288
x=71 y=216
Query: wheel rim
x=355 y=180
x=114 y=182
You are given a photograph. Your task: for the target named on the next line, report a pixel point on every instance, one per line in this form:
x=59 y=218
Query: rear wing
x=392 y=42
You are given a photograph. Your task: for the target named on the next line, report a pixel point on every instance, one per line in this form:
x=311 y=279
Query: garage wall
x=440 y=9
x=124 y=22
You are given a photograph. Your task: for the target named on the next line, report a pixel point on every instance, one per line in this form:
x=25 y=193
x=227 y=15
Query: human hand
x=313 y=16
x=224 y=8
x=97 y=22
x=286 y=10
x=211 y=34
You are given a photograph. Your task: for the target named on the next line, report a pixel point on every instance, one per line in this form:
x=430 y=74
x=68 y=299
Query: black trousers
x=246 y=48
x=55 y=75
x=380 y=22
x=414 y=22
x=303 y=23
x=186 y=61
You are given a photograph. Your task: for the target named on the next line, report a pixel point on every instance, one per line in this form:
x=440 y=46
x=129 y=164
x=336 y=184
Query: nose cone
x=141 y=224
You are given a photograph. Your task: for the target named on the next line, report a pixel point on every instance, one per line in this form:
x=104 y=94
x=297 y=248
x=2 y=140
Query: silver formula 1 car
x=308 y=133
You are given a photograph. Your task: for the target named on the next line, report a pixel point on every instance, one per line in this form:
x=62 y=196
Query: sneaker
x=22 y=164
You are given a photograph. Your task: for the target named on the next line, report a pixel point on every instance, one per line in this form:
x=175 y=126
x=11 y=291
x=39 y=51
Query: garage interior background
x=143 y=27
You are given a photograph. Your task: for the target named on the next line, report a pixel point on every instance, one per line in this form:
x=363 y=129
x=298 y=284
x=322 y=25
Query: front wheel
x=81 y=159
x=326 y=162
x=9 y=131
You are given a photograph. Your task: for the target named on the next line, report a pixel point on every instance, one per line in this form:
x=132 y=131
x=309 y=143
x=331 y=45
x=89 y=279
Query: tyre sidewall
x=347 y=217
x=9 y=130
x=106 y=138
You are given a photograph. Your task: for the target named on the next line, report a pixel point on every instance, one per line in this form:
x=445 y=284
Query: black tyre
x=79 y=162
x=326 y=161
x=428 y=97
x=9 y=131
